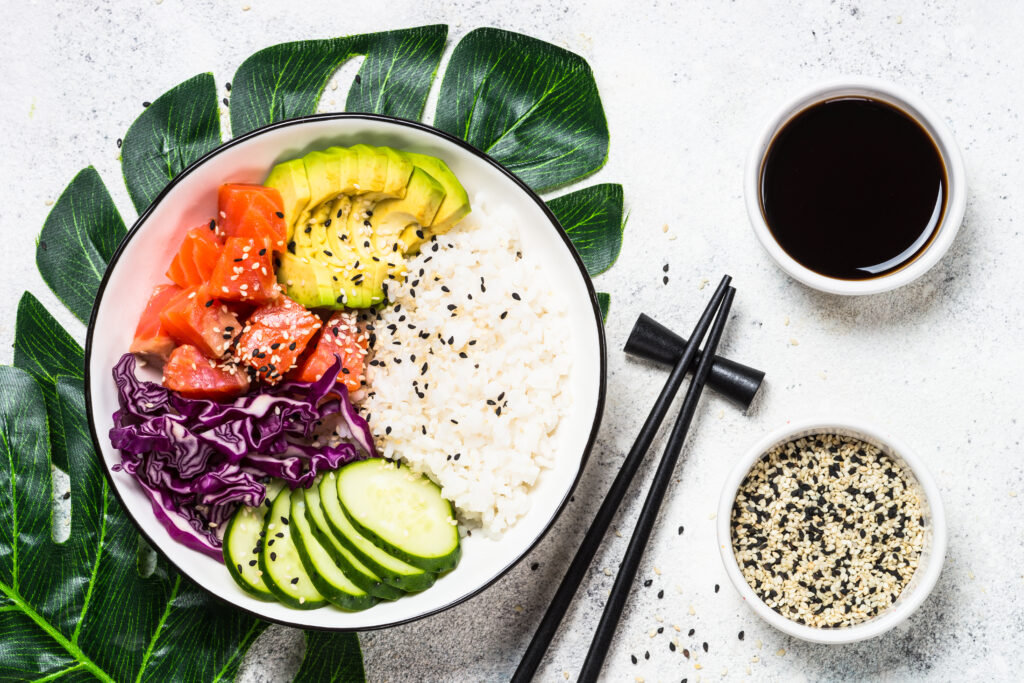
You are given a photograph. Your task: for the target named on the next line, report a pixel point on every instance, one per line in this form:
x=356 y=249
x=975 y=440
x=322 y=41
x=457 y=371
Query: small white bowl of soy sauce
x=855 y=186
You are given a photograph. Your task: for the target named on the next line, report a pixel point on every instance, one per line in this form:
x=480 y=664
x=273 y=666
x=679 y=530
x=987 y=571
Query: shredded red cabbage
x=197 y=460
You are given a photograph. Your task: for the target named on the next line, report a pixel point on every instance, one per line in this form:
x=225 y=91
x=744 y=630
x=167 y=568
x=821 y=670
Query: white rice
x=485 y=462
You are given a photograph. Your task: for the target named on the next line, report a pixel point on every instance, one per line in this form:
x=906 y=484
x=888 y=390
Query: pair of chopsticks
x=717 y=310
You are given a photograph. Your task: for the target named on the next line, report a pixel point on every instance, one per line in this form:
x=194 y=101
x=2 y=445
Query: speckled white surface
x=685 y=86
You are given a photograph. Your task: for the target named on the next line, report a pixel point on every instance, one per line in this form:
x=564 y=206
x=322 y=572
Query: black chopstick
x=567 y=589
x=649 y=513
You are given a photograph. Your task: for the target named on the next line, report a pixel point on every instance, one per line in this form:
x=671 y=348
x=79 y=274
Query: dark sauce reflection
x=853 y=188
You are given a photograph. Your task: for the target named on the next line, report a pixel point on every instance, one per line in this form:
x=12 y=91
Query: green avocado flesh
x=353 y=216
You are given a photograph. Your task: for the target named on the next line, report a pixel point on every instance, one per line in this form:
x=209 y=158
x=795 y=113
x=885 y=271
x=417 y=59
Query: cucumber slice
x=242 y=545
x=356 y=571
x=390 y=569
x=326 y=576
x=279 y=559
x=400 y=512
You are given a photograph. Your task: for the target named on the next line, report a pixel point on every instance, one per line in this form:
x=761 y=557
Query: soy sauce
x=853 y=188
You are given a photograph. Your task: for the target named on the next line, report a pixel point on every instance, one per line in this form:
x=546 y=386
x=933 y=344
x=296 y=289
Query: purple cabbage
x=198 y=460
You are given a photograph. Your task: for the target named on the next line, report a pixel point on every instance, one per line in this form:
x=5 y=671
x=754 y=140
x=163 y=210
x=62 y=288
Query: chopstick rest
x=613 y=499
x=653 y=341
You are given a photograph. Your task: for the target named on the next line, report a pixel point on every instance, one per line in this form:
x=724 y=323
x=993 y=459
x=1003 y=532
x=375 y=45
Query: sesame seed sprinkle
x=827 y=530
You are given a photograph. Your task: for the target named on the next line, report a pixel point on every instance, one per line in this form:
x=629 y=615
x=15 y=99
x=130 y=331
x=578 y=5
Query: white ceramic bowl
x=956 y=200
x=191 y=199
x=932 y=555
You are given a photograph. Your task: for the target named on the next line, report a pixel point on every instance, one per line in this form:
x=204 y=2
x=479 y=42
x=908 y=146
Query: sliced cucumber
x=400 y=512
x=327 y=577
x=279 y=559
x=242 y=545
x=356 y=571
x=392 y=570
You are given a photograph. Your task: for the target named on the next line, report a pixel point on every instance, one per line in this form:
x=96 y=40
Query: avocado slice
x=399 y=169
x=323 y=269
x=330 y=174
x=289 y=178
x=353 y=213
x=306 y=282
x=455 y=206
x=373 y=170
x=391 y=217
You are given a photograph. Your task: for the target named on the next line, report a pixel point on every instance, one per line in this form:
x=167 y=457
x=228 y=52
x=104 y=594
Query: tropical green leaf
x=180 y=126
x=605 y=302
x=593 y=219
x=399 y=68
x=45 y=349
x=286 y=80
x=334 y=657
x=78 y=239
x=82 y=605
x=529 y=104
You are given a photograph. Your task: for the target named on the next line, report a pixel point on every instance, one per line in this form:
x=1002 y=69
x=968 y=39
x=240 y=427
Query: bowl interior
x=952 y=214
x=191 y=200
x=929 y=564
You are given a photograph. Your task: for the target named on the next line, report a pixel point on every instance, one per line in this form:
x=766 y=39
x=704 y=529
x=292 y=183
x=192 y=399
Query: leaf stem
x=95 y=565
x=243 y=645
x=57 y=674
x=159 y=628
x=72 y=649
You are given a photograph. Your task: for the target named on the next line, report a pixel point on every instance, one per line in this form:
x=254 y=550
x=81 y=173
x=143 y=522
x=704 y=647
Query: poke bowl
x=396 y=375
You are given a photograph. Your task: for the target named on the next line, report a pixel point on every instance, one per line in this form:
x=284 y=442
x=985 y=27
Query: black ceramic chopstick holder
x=613 y=499
x=652 y=341
x=652 y=505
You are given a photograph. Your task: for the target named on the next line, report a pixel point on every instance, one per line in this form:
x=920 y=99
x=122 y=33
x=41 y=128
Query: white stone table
x=685 y=86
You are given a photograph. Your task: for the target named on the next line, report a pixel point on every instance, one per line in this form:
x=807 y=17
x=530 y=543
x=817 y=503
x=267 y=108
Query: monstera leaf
x=45 y=350
x=80 y=608
x=77 y=241
x=532 y=106
x=180 y=126
x=285 y=81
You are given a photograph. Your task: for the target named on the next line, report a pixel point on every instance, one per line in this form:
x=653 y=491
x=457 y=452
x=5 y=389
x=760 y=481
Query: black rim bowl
x=406 y=124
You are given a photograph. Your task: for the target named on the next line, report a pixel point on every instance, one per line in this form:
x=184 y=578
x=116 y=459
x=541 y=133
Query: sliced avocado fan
x=354 y=214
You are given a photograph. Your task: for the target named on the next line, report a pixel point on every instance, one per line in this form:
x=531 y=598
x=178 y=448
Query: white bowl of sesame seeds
x=831 y=530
